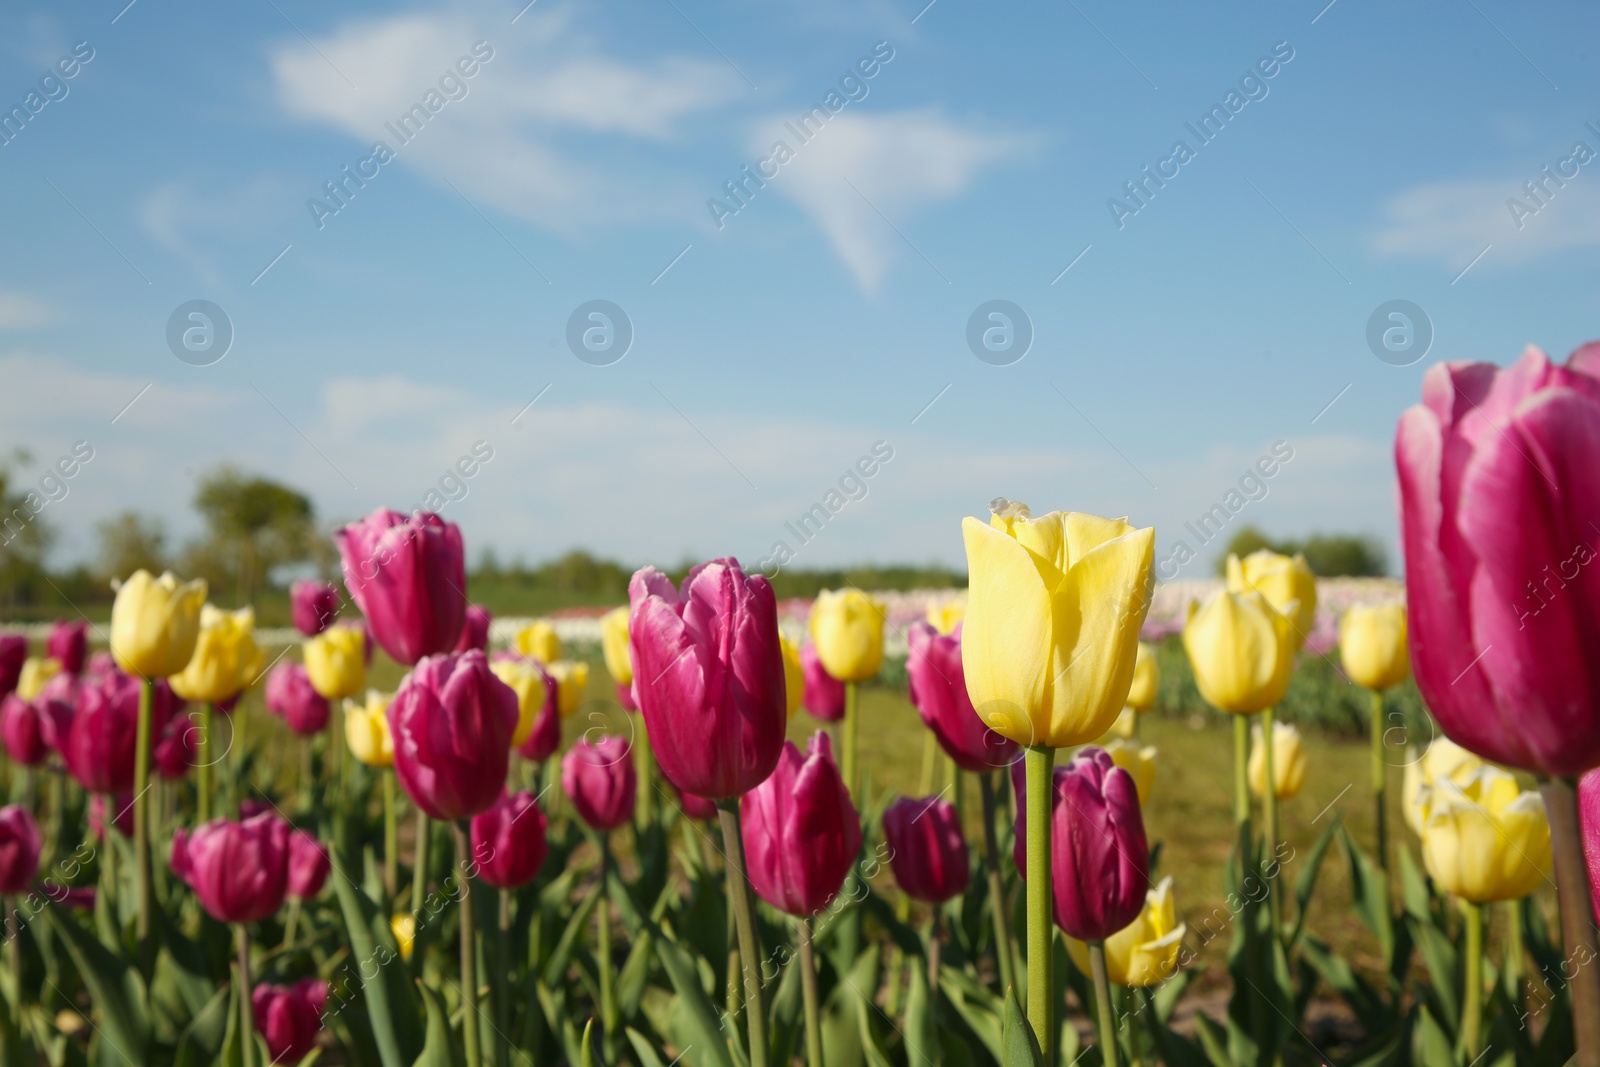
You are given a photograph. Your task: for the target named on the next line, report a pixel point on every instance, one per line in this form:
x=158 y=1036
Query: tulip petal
x=1005 y=642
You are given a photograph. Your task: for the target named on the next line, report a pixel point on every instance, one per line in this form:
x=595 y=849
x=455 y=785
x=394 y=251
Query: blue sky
x=769 y=354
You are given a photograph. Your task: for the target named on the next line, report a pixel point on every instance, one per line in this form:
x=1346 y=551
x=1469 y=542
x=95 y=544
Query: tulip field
x=1036 y=822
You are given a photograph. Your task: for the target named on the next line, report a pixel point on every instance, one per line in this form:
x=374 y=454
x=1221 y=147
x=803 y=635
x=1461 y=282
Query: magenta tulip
x=31 y=728
x=600 y=779
x=708 y=676
x=1099 y=858
x=625 y=697
x=101 y=664
x=800 y=832
x=409 y=578
x=545 y=737
x=508 y=841
x=175 y=747
x=116 y=812
x=68 y=645
x=289 y=1018
x=291 y=696
x=1499 y=521
x=13 y=654
x=239 y=870
x=313 y=606
x=475 y=630
x=824 y=694
x=309 y=865
x=927 y=852
x=697 y=808
x=20 y=842
x=452 y=722
x=939 y=692
x=99 y=751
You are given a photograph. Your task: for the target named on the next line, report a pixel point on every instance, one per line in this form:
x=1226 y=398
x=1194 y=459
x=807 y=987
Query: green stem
x=847 y=760
x=808 y=988
x=419 y=869
x=1241 y=773
x=997 y=897
x=141 y=815
x=644 y=762
x=203 y=772
x=744 y=920
x=1241 y=816
x=1471 y=1038
x=1041 y=962
x=247 y=1015
x=935 y=944
x=14 y=956
x=1577 y=915
x=240 y=730
x=502 y=983
x=1379 y=780
x=391 y=835
x=1513 y=957
x=1104 y=1027
x=306 y=791
x=608 y=991
x=469 y=937
x=930 y=755
x=1269 y=802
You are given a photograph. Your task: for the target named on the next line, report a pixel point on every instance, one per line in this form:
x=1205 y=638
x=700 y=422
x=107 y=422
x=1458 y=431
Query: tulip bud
x=1139 y=761
x=1372 y=645
x=366 y=729
x=36 y=673
x=534 y=688
x=292 y=697
x=239 y=870
x=538 y=639
x=68 y=645
x=939 y=693
x=824 y=694
x=475 y=631
x=31 y=728
x=1054 y=607
x=408 y=577
x=452 y=722
x=309 y=865
x=20 y=842
x=226 y=659
x=114 y=812
x=572 y=678
x=926 y=849
x=800 y=831
x=289 y=1018
x=155 y=623
x=708 y=676
x=1145 y=952
x=1288 y=761
x=13 y=654
x=404 y=928
x=508 y=841
x=599 y=777
x=336 y=661
x=1287 y=584
x=1146 y=679
x=1488 y=840
x=1242 y=651
x=614 y=644
x=847 y=628
x=794 y=675
x=313 y=606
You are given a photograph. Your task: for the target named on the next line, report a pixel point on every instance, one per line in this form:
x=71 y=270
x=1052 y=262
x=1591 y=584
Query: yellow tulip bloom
x=1242 y=651
x=1146 y=679
x=366 y=729
x=336 y=661
x=1289 y=761
x=1145 y=952
x=946 y=615
x=614 y=644
x=847 y=628
x=572 y=678
x=1054 y=607
x=538 y=639
x=35 y=673
x=1286 y=582
x=404 y=928
x=524 y=680
x=226 y=659
x=1125 y=726
x=155 y=623
x=1443 y=761
x=794 y=675
x=1138 y=760
x=1487 y=840
x=1372 y=645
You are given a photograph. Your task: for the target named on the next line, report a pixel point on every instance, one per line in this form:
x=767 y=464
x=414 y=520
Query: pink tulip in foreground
x=309 y=865
x=801 y=832
x=408 y=577
x=939 y=692
x=20 y=842
x=292 y=698
x=313 y=606
x=289 y=1018
x=452 y=722
x=927 y=851
x=239 y=870
x=600 y=778
x=508 y=841
x=708 y=676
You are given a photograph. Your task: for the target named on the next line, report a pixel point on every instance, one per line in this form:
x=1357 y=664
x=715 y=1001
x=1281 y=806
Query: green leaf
x=390 y=995
x=920 y=1036
x=586 y=1055
x=642 y=1048
x=1213 y=1039
x=1021 y=1049
x=439 y=1049
x=1414 y=894
x=201 y=1041
x=1430 y=1044
x=114 y=985
x=555 y=968
x=1305 y=885
x=695 y=1022
x=979 y=1008
x=1439 y=955
x=1370 y=894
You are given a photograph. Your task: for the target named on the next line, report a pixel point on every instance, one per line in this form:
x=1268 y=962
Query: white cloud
x=898 y=162
x=19 y=311
x=196 y=224
x=1452 y=221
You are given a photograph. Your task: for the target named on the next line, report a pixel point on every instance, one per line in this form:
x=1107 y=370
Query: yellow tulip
x=614 y=644
x=538 y=639
x=1372 y=645
x=336 y=661
x=1289 y=761
x=1286 y=582
x=1487 y=840
x=1054 y=607
x=1146 y=678
x=1145 y=952
x=366 y=729
x=226 y=659
x=1443 y=760
x=847 y=628
x=794 y=675
x=155 y=623
x=35 y=673
x=1126 y=725
x=946 y=615
x=524 y=680
x=1138 y=760
x=572 y=678
x=404 y=928
x=1241 y=650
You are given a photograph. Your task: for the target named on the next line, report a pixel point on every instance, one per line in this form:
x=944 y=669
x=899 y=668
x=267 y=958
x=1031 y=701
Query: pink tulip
x=708 y=676
x=30 y=727
x=452 y=722
x=824 y=694
x=239 y=870
x=309 y=865
x=939 y=692
x=625 y=697
x=291 y=696
x=99 y=751
x=115 y=811
x=600 y=779
x=508 y=841
x=926 y=849
x=545 y=737
x=698 y=808
x=20 y=842
x=13 y=653
x=101 y=664
x=409 y=578
x=175 y=748
x=800 y=831
x=475 y=631
x=1501 y=529
x=68 y=645
x=289 y=1018
x=313 y=606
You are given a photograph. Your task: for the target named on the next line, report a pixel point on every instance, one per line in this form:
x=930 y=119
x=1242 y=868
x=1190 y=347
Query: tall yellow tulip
x=226 y=659
x=614 y=644
x=1146 y=679
x=847 y=628
x=336 y=661
x=36 y=672
x=538 y=639
x=525 y=680
x=1487 y=840
x=1146 y=951
x=1286 y=582
x=155 y=623
x=794 y=675
x=1289 y=761
x=1242 y=650
x=366 y=729
x=572 y=678
x=1372 y=645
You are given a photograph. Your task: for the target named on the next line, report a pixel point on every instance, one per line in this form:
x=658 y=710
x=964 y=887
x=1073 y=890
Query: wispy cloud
x=1453 y=221
x=20 y=311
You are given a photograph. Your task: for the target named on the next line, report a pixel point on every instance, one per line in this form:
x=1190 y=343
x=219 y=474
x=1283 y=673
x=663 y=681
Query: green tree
x=25 y=537
x=1328 y=555
x=253 y=525
x=130 y=541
